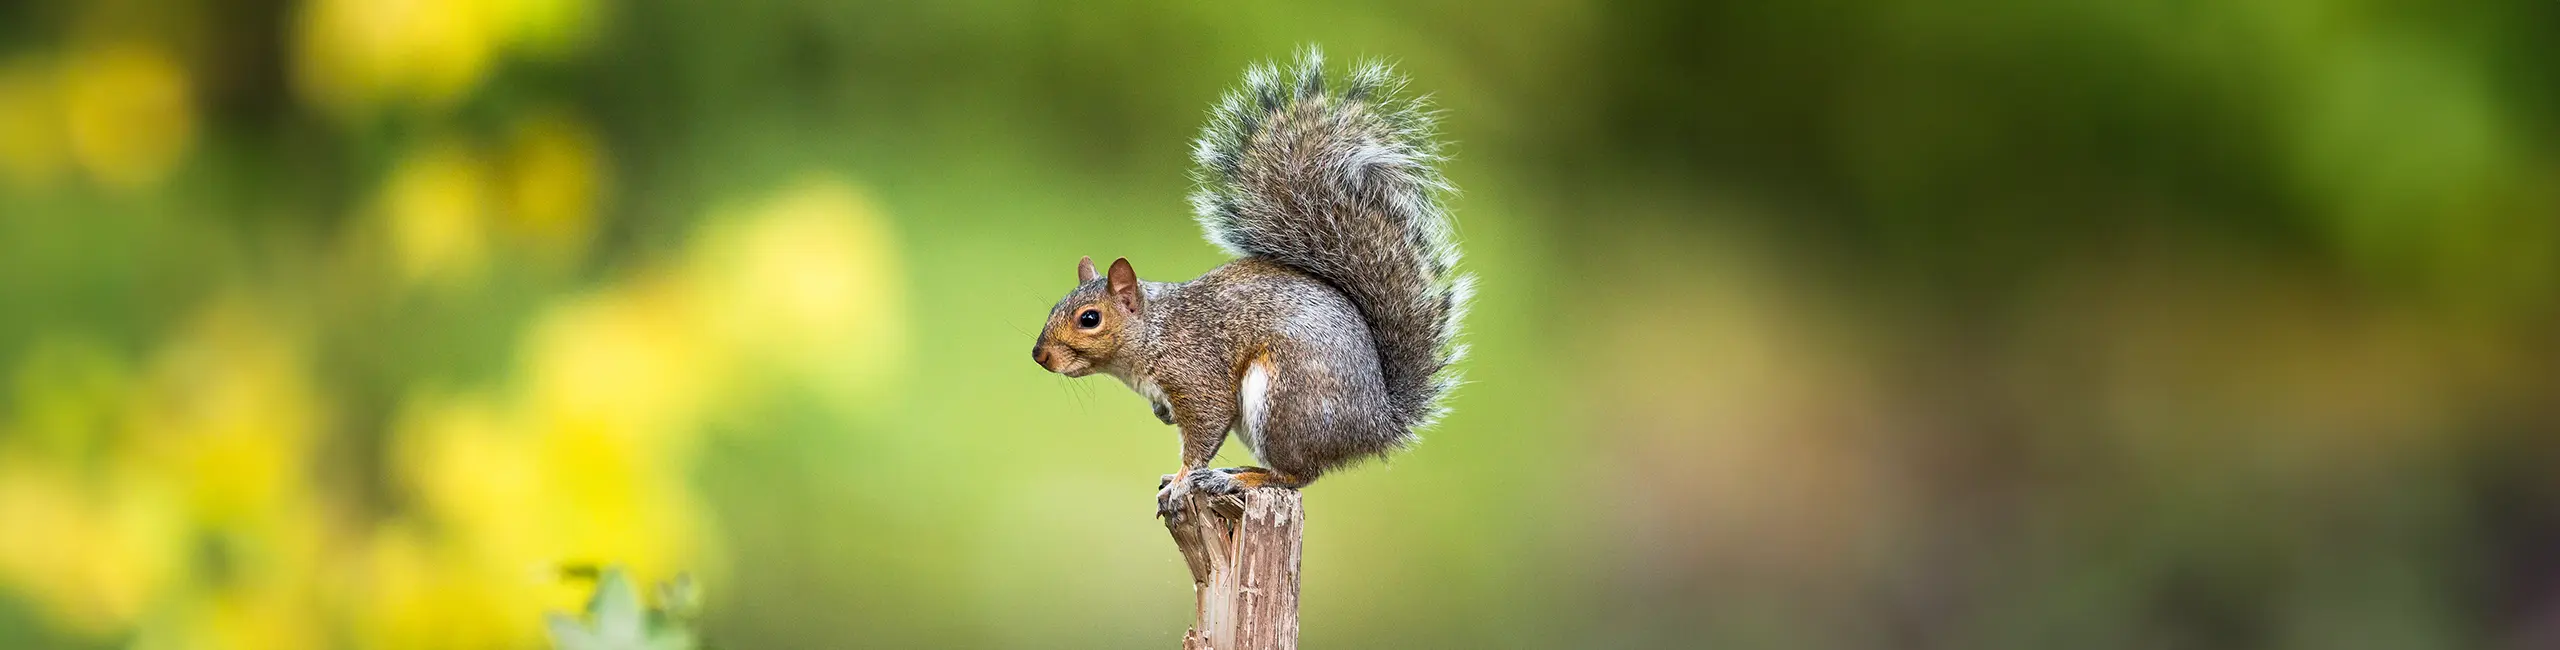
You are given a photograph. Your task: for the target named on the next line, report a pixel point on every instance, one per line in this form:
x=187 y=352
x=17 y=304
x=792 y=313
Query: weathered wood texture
x=1243 y=552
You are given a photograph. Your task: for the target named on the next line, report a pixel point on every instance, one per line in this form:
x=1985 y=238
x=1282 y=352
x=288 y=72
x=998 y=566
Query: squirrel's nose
x=1040 y=355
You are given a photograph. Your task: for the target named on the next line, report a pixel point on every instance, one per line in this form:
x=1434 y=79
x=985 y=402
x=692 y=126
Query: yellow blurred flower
x=129 y=113
x=617 y=502
x=201 y=520
x=257 y=584
x=30 y=124
x=435 y=207
x=806 y=282
x=473 y=472
x=361 y=54
x=263 y=620
x=514 y=504
x=267 y=616
x=629 y=361
x=586 y=462
x=93 y=555
x=354 y=56
x=485 y=487
x=178 y=506
x=416 y=594
x=92 y=549
x=229 y=411
x=556 y=178
x=617 y=383
x=546 y=28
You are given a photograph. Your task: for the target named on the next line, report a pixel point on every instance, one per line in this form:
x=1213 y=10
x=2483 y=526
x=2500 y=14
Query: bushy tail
x=1339 y=182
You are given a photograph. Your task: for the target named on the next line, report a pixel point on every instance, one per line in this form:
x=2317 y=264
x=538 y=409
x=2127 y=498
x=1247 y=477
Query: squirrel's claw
x=1169 y=495
x=1169 y=502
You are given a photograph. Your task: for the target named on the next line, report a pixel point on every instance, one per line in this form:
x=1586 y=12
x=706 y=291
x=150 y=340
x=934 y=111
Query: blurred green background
x=1826 y=324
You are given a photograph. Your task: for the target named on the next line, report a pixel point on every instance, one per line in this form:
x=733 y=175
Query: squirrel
x=1331 y=338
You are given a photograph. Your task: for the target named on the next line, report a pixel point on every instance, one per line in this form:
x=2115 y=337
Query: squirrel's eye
x=1089 y=319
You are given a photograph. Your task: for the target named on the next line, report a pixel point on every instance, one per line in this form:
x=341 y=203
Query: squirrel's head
x=1084 y=330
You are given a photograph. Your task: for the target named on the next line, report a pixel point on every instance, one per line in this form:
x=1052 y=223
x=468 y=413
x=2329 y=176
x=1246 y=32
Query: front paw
x=1221 y=481
x=1169 y=497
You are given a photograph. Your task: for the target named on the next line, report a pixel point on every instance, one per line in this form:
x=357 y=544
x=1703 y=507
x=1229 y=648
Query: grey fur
x=1340 y=184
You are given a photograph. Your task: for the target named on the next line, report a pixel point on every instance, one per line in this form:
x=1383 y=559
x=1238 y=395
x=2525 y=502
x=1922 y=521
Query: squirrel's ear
x=1124 y=284
x=1084 y=270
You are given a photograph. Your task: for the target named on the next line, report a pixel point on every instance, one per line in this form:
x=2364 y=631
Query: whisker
x=1082 y=405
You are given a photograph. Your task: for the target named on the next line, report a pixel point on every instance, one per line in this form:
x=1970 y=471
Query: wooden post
x=1243 y=552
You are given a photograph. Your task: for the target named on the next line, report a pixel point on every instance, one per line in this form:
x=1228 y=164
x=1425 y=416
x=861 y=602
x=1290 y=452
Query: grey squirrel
x=1330 y=339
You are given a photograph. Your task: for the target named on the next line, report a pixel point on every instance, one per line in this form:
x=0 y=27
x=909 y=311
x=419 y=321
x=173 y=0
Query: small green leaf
x=615 y=609
x=616 y=619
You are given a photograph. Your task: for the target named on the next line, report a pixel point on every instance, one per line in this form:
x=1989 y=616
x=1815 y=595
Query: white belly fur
x=1254 y=395
x=1146 y=388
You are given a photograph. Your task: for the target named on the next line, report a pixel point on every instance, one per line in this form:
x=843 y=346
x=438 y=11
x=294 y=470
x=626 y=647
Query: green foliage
x=616 y=619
